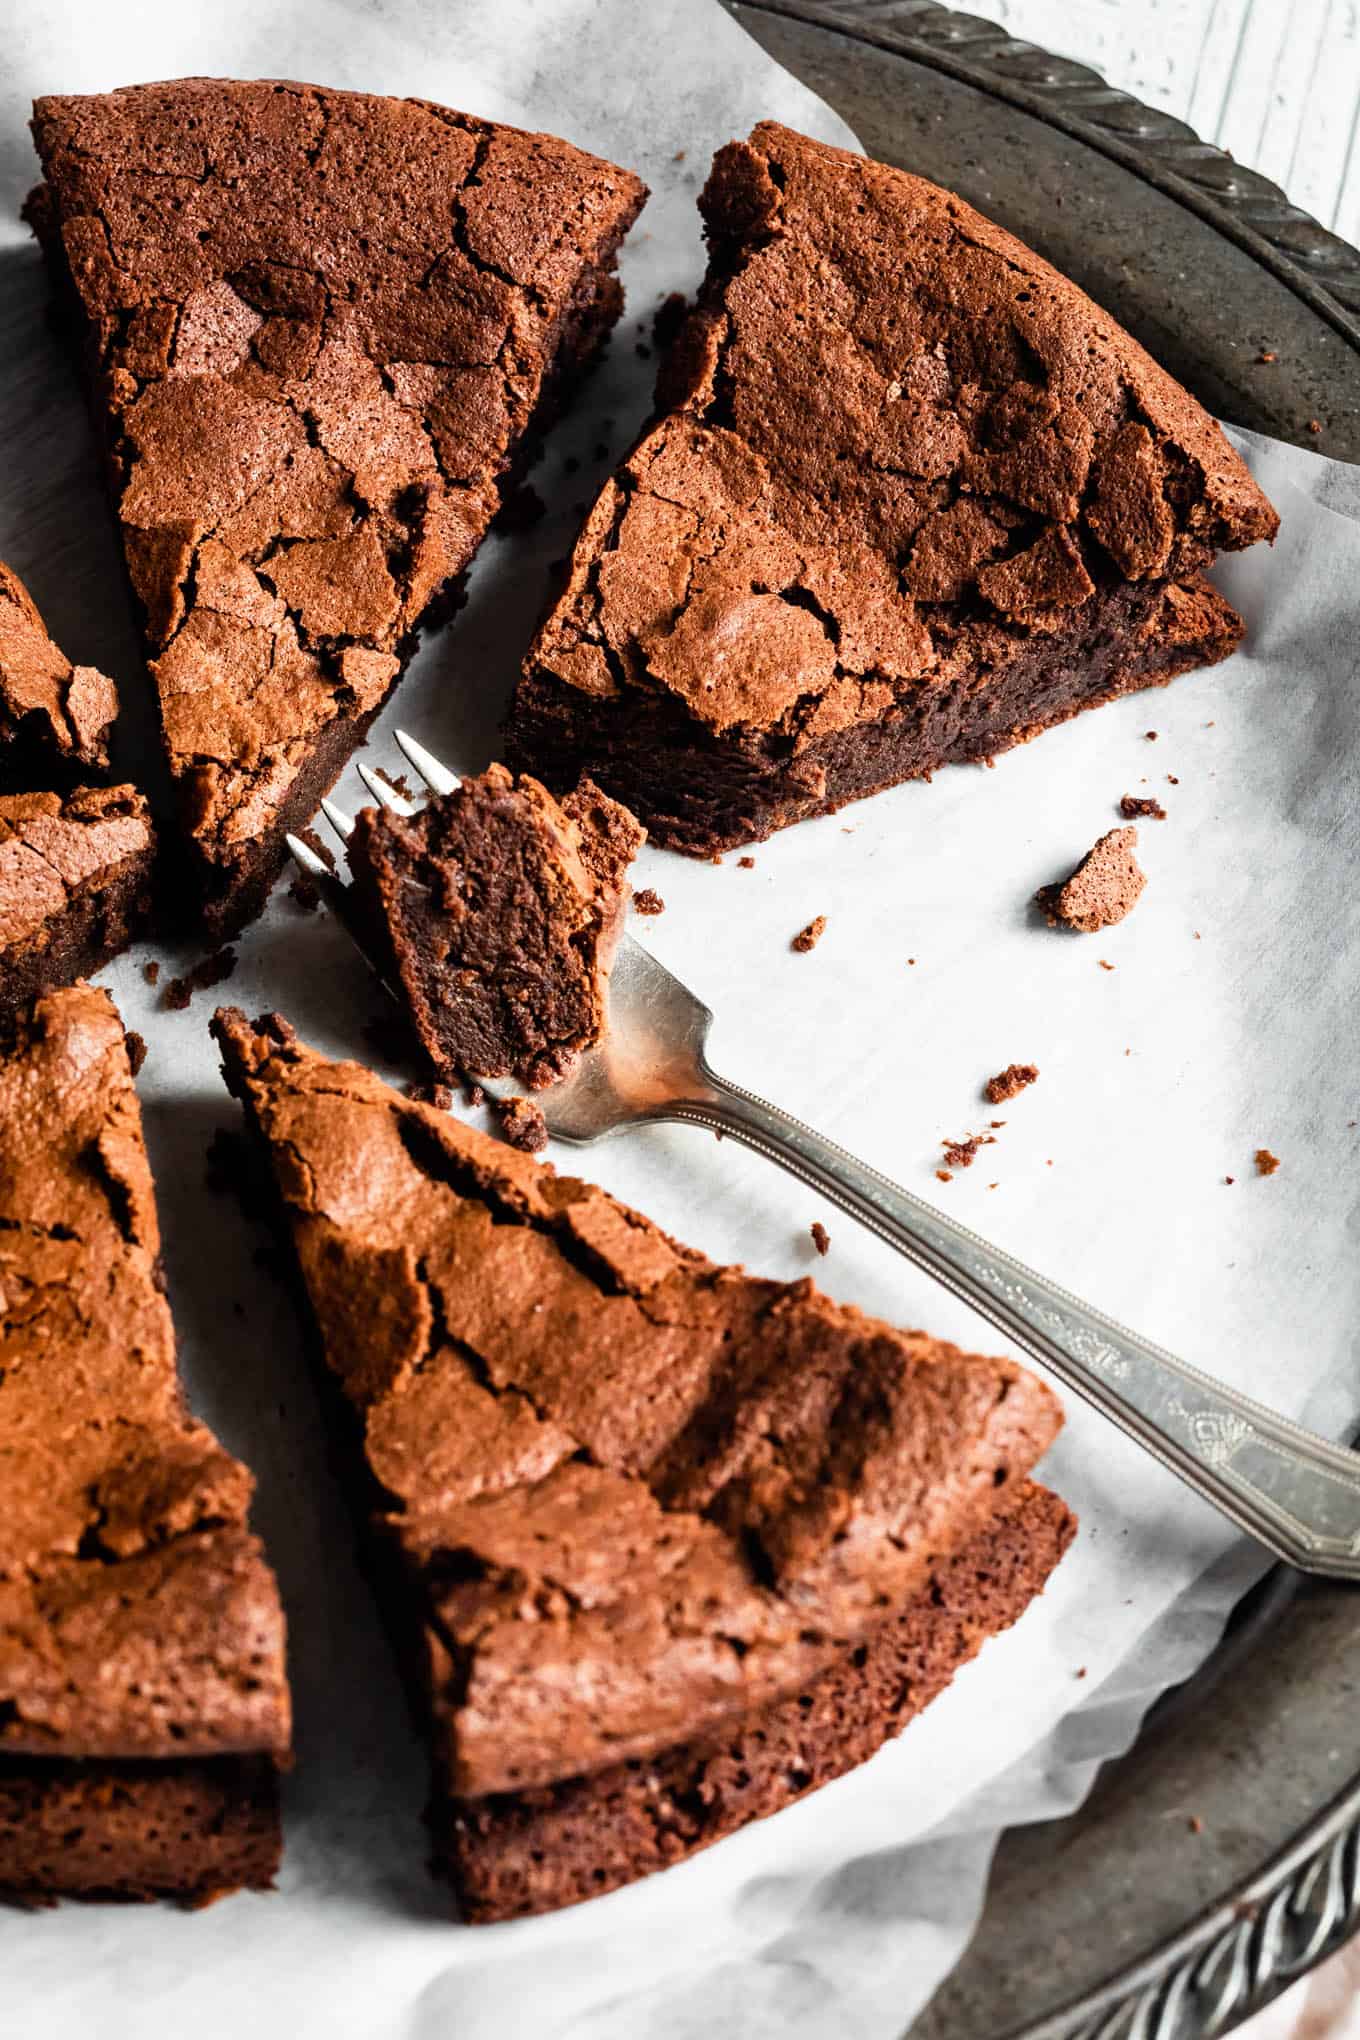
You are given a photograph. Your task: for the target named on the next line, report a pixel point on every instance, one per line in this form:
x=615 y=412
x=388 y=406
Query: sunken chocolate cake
x=910 y=498
x=75 y=885
x=662 y=1545
x=52 y=714
x=144 y=1711
x=497 y=912
x=322 y=332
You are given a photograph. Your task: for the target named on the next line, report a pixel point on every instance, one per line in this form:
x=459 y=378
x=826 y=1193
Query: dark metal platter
x=1124 y=1920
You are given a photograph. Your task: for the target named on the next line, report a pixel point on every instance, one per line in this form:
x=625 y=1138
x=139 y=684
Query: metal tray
x=1123 y=1920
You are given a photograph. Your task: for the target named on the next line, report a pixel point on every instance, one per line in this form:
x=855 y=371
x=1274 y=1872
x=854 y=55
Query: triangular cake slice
x=640 y=1513
x=321 y=328
x=144 y=1711
x=911 y=497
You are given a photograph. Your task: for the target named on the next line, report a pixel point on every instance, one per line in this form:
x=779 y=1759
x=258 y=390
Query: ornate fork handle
x=1298 y=1494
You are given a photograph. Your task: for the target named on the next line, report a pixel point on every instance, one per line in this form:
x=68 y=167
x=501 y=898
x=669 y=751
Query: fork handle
x=1297 y=1493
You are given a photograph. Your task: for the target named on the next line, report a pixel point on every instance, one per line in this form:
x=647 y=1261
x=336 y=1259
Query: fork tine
x=306 y=858
x=436 y=776
x=385 y=795
x=338 y=819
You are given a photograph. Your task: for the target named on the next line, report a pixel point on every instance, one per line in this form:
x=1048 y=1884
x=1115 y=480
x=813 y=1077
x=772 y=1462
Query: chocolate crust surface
x=498 y=912
x=75 y=885
x=910 y=498
x=139 y=1622
x=628 y=1500
x=322 y=332
x=515 y=1854
x=51 y=712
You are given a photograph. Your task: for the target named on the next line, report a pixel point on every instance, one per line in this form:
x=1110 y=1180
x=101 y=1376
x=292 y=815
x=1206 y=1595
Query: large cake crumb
x=1104 y=887
x=808 y=938
x=1266 y=1162
x=522 y=1124
x=1008 y=1083
x=1139 y=807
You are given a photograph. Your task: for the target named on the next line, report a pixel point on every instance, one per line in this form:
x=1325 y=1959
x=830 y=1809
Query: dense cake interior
x=498 y=911
x=75 y=885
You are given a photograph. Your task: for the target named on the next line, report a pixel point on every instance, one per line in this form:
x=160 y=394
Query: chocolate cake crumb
x=1266 y=1162
x=136 y=1050
x=960 y=1154
x=1230 y=1179
x=1104 y=887
x=1151 y=736
x=440 y=1095
x=1008 y=1083
x=821 y=1238
x=648 y=902
x=746 y=864
x=944 y=1176
x=809 y=937
x=522 y=1124
x=1267 y=354
x=1133 y=808
x=1104 y=965
x=1195 y=1824
x=210 y=970
x=305 y=892
x=473 y=1096
x=1315 y=424
x=151 y=970
x=398 y=782
x=1171 y=779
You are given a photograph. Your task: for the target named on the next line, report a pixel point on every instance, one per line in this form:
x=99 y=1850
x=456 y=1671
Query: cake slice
x=497 y=913
x=910 y=498
x=75 y=885
x=322 y=331
x=51 y=712
x=662 y=1544
x=144 y=1711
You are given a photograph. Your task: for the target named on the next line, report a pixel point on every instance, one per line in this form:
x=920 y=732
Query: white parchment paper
x=1221 y=1028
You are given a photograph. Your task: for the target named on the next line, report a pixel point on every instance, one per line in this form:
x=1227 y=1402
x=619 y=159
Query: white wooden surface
x=1277 y=83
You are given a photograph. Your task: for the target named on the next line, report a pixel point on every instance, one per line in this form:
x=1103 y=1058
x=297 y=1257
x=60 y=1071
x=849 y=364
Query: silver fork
x=1297 y=1493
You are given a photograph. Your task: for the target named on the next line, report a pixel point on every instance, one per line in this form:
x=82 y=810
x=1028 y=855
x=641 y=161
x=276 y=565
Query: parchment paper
x=1221 y=1028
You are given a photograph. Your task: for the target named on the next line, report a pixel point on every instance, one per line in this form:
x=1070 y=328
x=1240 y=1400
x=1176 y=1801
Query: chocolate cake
x=663 y=1545
x=51 y=712
x=144 y=1711
x=496 y=913
x=75 y=885
x=322 y=331
x=910 y=498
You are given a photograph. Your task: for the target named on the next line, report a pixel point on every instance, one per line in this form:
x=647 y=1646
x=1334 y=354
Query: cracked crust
x=49 y=709
x=630 y=1497
x=499 y=912
x=322 y=329
x=75 y=885
x=138 y=1619
x=910 y=499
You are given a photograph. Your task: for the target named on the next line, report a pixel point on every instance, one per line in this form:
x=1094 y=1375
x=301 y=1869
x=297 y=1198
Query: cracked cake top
x=640 y=1494
x=894 y=445
x=68 y=710
x=137 y=1615
x=318 y=325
